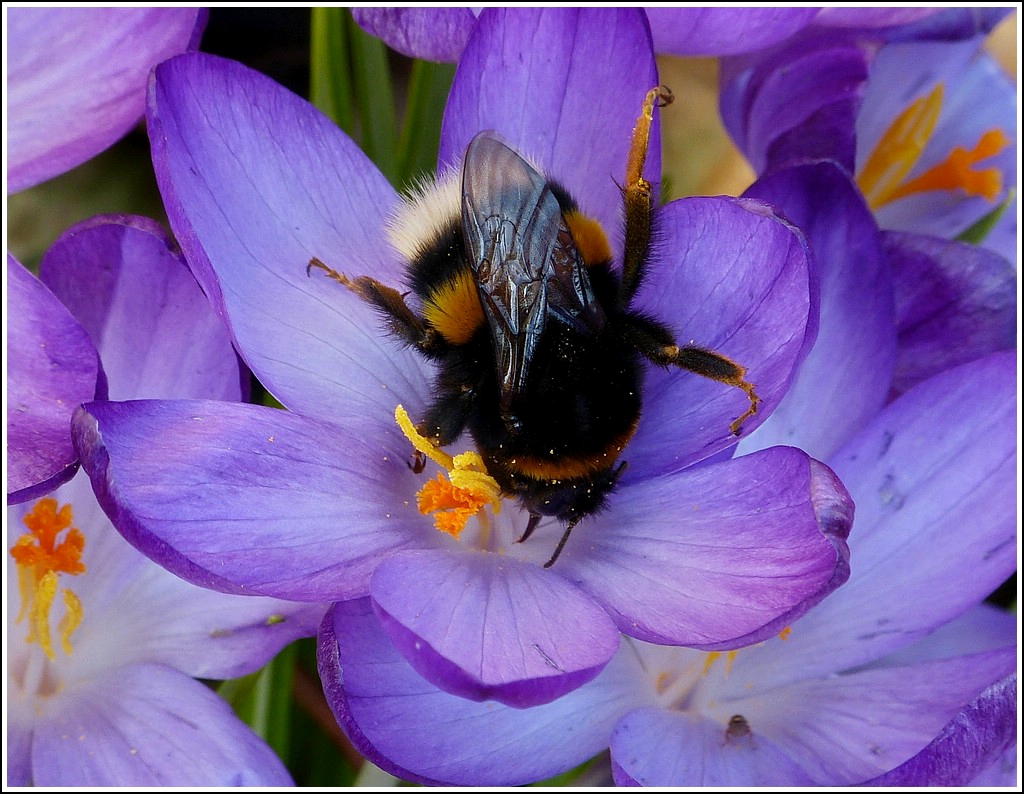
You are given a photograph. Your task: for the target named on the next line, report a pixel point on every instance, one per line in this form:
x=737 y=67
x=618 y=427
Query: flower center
x=882 y=177
x=50 y=547
x=677 y=685
x=465 y=493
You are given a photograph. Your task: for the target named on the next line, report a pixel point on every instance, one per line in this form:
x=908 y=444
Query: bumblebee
x=539 y=355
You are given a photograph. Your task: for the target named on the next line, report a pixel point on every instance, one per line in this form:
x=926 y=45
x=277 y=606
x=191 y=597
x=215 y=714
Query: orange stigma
x=41 y=557
x=883 y=177
x=467 y=490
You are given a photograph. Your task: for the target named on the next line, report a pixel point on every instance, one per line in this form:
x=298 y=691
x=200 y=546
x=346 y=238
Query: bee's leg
x=562 y=542
x=639 y=198
x=530 y=526
x=402 y=321
x=656 y=342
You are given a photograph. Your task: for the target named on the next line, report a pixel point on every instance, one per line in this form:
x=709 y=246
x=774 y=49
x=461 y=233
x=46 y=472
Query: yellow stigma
x=882 y=177
x=40 y=557
x=467 y=490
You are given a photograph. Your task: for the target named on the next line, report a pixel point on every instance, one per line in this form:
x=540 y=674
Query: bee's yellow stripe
x=569 y=468
x=454 y=309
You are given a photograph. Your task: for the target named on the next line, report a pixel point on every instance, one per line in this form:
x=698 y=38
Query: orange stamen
x=900 y=148
x=957 y=171
x=40 y=557
x=882 y=177
x=466 y=492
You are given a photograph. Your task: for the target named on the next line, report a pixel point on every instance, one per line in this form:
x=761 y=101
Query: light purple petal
x=564 y=87
x=797 y=102
x=973 y=740
x=433 y=34
x=861 y=17
x=983 y=628
x=723 y=31
x=253 y=500
x=76 y=80
x=846 y=378
x=148 y=725
x=124 y=280
x=420 y=733
x=52 y=367
x=488 y=627
x=955 y=303
x=718 y=556
x=731 y=276
x=848 y=728
x=18 y=757
x=659 y=747
x=257 y=182
x=203 y=633
x=933 y=481
x=135 y=611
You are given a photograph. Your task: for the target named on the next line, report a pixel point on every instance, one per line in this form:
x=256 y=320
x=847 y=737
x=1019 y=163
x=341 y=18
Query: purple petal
x=983 y=628
x=123 y=279
x=933 y=480
x=1001 y=772
x=795 y=103
x=488 y=627
x=849 y=728
x=564 y=87
x=252 y=500
x=723 y=31
x=659 y=747
x=408 y=727
x=845 y=380
x=76 y=80
x=719 y=556
x=972 y=741
x=731 y=276
x=860 y=17
x=257 y=182
x=955 y=303
x=148 y=725
x=433 y=34
x=52 y=367
x=950 y=24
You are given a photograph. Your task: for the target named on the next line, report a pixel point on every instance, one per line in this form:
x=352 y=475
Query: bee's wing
x=523 y=255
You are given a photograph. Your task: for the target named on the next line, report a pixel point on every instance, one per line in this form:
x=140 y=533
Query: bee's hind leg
x=401 y=320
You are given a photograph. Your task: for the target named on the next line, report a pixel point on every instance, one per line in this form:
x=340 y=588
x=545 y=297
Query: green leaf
x=429 y=84
x=263 y=700
x=330 y=77
x=372 y=81
x=980 y=229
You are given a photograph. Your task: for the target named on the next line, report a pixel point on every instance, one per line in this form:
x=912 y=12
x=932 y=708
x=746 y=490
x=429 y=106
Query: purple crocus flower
x=928 y=128
x=52 y=366
x=855 y=109
x=76 y=80
x=440 y=34
x=860 y=687
x=321 y=498
x=102 y=692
